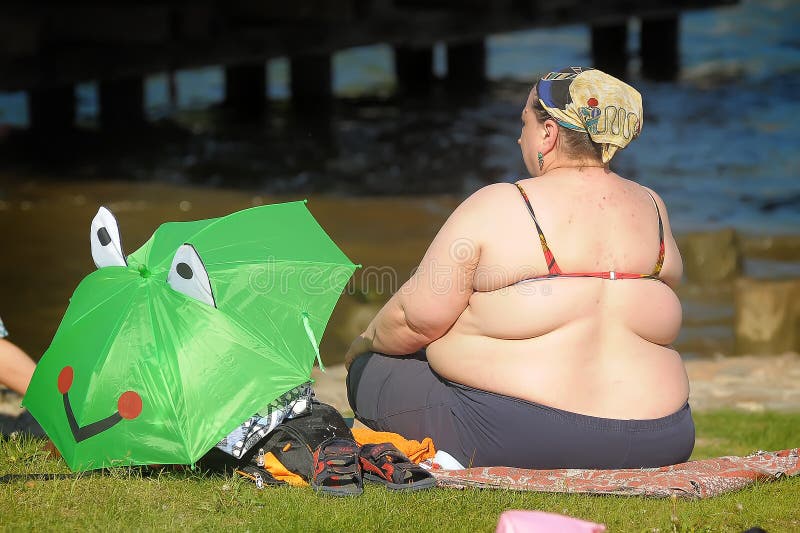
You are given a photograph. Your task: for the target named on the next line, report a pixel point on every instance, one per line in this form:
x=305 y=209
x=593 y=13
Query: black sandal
x=336 y=468
x=386 y=464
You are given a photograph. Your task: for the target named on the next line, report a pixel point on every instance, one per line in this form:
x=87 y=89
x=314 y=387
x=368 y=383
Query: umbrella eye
x=103 y=236
x=65 y=378
x=184 y=270
x=105 y=240
x=129 y=405
x=188 y=275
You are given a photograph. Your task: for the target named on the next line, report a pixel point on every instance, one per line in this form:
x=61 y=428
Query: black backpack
x=292 y=442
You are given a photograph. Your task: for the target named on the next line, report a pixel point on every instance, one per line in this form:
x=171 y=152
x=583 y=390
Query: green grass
x=127 y=501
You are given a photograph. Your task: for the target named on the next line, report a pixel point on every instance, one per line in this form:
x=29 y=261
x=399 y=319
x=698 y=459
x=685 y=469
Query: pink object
x=539 y=522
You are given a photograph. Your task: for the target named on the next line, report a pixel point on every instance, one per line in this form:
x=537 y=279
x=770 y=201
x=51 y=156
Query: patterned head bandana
x=586 y=99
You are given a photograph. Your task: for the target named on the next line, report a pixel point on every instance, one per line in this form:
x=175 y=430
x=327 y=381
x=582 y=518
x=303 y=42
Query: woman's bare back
x=593 y=346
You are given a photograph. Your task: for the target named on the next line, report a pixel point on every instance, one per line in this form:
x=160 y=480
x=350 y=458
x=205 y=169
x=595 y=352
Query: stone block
x=711 y=256
x=767 y=316
x=772 y=247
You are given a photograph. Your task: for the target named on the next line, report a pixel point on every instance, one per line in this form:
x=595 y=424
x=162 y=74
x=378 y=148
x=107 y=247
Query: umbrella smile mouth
x=129 y=406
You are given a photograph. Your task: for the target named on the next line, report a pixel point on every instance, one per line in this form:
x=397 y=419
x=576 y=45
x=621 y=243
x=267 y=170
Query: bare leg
x=16 y=368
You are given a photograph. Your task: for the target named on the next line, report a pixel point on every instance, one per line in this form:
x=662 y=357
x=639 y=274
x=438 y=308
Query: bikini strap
x=661 y=250
x=552 y=266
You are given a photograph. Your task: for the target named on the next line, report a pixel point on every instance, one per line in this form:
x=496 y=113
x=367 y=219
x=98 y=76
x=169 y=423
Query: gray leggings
x=403 y=395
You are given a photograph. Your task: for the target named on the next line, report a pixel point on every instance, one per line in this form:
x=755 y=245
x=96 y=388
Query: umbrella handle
x=313 y=340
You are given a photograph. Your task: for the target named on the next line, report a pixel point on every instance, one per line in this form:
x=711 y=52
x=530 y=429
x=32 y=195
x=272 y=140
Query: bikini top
x=555 y=272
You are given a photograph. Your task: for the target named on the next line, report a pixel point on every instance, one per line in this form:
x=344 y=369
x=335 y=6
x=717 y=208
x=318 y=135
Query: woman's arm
x=16 y=368
x=430 y=302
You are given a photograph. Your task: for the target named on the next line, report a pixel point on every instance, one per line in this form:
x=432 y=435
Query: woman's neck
x=562 y=162
x=573 y=165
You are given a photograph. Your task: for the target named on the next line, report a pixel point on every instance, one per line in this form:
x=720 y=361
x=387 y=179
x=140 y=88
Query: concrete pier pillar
x=413 y=68
x=246 y=88
x=659 y=47
x=711 y=256
x=767 y=316
x=51 y=109
x=311 y=81
x=466 y=62
x=121 y=103
x=610 y=49
x=172 y=89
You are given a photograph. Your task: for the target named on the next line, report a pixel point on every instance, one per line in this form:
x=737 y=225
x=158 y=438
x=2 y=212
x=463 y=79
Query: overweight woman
x=536 y=331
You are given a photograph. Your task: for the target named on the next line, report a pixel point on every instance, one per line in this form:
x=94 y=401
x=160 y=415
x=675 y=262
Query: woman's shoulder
x=662 y=207
x=489 y=196
x=483 y=207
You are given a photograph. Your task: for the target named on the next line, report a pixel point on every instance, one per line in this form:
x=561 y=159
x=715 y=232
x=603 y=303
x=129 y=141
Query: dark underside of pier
x=46 y=48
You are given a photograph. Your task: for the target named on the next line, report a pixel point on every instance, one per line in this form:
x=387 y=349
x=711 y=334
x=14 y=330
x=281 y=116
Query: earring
x=541 y=160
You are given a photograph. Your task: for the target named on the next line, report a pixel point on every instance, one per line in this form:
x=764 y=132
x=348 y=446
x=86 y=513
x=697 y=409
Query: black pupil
x=184 y=270
x=103 y=236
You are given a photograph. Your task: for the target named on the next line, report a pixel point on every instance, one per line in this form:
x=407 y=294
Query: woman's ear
x=550 y=135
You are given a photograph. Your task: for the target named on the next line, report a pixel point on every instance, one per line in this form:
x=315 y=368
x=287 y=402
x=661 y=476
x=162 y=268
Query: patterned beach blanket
x=694 y=479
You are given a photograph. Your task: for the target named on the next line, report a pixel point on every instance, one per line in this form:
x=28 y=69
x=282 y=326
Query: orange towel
x=278 y=471
x=415 y=450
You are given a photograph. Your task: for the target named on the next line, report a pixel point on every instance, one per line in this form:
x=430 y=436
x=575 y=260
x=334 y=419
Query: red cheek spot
x=65 y=379
x=129 y=405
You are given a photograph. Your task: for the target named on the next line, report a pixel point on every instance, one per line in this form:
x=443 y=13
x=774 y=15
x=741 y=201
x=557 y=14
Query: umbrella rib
x=168 y=259
x=274 y=325
x=203 y=230
x=99 y=304
x=112 y=334
x=257 y=337
x=175 y=370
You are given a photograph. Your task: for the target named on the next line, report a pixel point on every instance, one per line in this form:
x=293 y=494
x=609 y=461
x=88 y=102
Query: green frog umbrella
x=162 y=354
